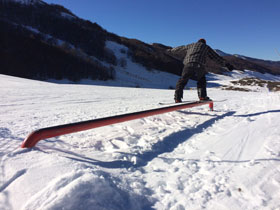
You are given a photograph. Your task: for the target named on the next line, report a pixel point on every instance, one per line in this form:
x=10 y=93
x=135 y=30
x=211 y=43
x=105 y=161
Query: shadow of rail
x=168 y=144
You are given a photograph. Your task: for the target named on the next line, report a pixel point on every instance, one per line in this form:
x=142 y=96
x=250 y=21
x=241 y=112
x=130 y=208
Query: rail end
x=31 y=140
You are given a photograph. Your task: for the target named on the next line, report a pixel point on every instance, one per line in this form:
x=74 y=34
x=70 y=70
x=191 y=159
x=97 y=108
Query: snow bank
x=81 y=189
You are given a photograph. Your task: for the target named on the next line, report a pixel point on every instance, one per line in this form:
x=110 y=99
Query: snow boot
x=206 y=98
x=178 y=101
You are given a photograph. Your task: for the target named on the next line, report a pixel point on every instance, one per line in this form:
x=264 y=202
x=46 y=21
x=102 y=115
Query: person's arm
x=218 y=59
x=215 y=57
x=178 y=53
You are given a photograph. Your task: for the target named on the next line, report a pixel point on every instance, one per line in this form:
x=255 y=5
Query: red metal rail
x=50 y=132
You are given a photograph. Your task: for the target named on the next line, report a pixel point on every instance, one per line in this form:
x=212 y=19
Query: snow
x=135 y=75
x=240 y=56
x=34 y=30
x=188 y=159
x=28 y=1
x=67 y=16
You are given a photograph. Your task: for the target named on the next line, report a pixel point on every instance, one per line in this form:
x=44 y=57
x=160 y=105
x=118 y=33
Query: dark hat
x=202 y=40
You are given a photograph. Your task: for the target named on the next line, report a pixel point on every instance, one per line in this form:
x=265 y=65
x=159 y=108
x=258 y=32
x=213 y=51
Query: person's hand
x=229 y=66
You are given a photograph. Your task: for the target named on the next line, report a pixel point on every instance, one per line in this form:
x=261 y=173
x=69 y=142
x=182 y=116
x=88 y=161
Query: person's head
x=202 y=41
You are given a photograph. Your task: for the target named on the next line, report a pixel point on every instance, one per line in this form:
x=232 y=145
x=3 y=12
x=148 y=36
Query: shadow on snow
x=168 y=144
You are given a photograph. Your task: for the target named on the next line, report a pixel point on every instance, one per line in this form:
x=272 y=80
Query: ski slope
x=188 y=159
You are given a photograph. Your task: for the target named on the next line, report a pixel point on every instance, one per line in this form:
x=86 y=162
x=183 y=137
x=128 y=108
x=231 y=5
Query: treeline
x=49 y=20
x=27 y=54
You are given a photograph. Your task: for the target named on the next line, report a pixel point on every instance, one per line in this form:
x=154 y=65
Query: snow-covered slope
x=129 y=73
x=189 y=159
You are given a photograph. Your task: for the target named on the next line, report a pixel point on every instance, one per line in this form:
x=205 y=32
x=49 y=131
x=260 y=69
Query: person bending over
x=194 y=58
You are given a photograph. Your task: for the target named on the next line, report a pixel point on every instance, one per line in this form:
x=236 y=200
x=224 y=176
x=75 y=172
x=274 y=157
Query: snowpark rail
x=49 y=132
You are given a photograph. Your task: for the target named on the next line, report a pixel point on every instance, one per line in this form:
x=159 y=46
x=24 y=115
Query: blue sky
x=247 y=27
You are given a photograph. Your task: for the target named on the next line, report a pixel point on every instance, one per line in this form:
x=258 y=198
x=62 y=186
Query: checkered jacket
x=196 y=53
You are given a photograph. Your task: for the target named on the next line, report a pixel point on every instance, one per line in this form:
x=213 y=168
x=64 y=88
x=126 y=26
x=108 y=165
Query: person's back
x=196 y=53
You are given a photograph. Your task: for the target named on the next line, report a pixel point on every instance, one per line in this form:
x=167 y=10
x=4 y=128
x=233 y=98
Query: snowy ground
x=189 y=159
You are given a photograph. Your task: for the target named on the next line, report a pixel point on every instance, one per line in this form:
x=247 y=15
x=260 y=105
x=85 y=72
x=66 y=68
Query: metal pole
x=50 y=132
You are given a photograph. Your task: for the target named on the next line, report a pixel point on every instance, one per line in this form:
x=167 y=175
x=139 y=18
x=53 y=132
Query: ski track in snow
x=188 y=159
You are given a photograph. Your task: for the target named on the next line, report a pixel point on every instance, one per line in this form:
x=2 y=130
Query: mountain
x=45 y=41
x=221 y=53
x=244 y=62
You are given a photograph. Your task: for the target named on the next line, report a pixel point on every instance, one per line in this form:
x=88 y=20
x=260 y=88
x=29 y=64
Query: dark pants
x=192 y=71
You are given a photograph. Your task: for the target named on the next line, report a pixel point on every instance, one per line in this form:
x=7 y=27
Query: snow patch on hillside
x=68 y=16
x=135 y=75
x=27 y=1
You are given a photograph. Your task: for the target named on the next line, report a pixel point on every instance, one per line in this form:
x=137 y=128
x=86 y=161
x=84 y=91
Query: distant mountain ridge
x=44 y=41
x=274 y=66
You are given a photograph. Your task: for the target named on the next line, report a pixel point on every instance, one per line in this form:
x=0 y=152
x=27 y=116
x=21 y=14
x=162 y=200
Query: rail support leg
x=211 y=106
